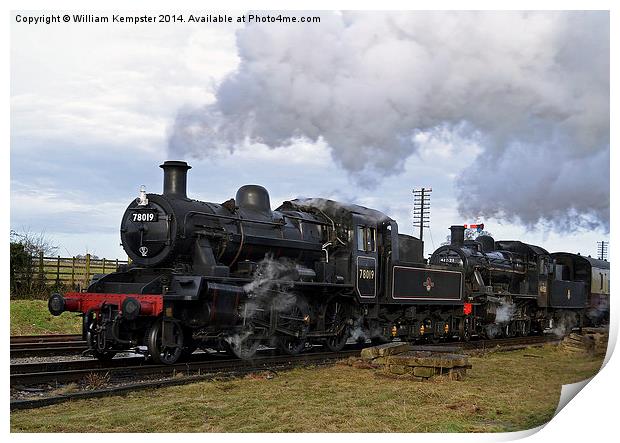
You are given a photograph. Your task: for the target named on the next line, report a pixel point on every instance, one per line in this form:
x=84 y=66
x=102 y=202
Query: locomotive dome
x=253 y=198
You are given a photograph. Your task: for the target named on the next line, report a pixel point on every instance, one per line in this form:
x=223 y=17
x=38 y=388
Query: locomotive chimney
x=457 y=235
x=175 y=178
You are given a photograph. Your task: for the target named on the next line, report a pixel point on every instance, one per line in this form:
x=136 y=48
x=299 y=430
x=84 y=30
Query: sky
x=505 y=115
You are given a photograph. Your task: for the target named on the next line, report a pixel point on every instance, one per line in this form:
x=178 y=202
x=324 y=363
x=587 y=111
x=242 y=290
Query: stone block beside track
x=385 y=350
x=590 y=340
x=400 y=361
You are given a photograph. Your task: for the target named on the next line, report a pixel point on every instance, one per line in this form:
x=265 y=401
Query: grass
x=502 y=392
x=31 y=317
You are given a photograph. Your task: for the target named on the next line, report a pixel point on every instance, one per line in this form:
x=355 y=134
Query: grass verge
x=502 y=392
x=31 y=317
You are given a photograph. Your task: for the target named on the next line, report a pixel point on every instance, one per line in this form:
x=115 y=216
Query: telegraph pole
x=421 y=209
x=602 y=250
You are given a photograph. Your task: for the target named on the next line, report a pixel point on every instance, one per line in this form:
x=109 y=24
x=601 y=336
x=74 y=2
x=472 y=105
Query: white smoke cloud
x=505 y=311
x=530 y=88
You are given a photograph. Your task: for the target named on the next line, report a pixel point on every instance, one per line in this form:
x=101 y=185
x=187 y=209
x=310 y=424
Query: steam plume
x=531 y=88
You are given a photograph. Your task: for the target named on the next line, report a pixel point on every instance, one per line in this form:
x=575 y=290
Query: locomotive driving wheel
x=336 y=318
x=509 y=329
x=465 y=329
x=523 y=328
x=167 y=354
x=294 y=319
x=242 y=345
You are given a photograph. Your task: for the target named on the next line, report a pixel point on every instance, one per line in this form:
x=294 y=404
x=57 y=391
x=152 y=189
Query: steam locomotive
x=235 y=275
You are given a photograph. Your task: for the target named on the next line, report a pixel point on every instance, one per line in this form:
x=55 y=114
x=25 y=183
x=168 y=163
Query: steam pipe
x=324 y=248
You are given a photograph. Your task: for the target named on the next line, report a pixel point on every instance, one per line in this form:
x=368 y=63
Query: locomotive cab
x=365 y=258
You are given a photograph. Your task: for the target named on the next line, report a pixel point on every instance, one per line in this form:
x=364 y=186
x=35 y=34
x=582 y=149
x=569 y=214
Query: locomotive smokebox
x=175 y=178
x=457 y=235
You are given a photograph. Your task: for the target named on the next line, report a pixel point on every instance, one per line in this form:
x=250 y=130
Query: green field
x=502 y=392
x=31 y=317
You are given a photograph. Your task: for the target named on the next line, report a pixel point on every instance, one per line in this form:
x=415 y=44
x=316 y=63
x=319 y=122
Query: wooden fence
x=65 y=272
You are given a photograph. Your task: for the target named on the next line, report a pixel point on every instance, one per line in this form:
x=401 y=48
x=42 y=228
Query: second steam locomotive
x=235 y=275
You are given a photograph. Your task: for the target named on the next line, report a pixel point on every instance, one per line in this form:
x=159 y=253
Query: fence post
x=87 y=269
x=116 y=269
x=103 y=266
x=41 y=275
x=58 y=272
x=30 y=274
x=73 y=273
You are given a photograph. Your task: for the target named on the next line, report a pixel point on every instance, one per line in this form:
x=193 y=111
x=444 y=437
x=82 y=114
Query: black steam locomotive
x=236 y=275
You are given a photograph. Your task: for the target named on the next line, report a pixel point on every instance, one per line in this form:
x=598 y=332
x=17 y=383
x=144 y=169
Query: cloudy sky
x=505 y=115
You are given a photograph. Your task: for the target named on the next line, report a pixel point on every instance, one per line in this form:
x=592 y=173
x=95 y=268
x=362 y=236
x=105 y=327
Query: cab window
x=366 y=239
x=361 y=238
x=371 y=240
x=544 y=266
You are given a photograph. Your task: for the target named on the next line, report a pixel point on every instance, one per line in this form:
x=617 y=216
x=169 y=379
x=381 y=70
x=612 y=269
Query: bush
x=25 y=282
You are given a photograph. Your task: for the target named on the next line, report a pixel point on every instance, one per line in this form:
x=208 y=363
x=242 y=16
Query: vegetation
x=31 y=317
x=36 y=271
x=24 y=245
x=502 y=392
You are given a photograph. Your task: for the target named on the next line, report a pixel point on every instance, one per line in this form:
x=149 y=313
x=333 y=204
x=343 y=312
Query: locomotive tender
x=236 y=275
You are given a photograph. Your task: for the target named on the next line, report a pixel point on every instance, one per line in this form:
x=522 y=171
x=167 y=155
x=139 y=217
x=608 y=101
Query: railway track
x=136 y=367
x=49 y=338
x=46 y=345
x=132 y=373
x=165 y=375
x=508 y=344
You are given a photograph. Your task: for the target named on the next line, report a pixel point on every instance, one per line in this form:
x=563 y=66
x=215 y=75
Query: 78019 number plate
x=144 y=216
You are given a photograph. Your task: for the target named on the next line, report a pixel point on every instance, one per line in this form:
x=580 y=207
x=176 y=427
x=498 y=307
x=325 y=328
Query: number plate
x=144 y=216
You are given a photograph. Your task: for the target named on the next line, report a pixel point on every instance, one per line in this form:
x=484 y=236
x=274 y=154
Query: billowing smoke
x=271 y=284
x=505 y=311
x=530 y=88
x=565 y=324
x=360 y=331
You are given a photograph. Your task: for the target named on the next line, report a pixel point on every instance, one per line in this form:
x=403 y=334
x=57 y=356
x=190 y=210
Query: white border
x=578 y=421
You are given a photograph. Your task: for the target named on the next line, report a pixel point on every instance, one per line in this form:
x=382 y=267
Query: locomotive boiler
x=171 y=230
